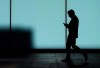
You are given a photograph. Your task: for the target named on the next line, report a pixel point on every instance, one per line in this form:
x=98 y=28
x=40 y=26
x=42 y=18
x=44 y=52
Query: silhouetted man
x=73 y=34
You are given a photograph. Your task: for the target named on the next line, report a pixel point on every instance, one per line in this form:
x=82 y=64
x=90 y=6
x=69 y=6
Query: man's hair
x=71 y=12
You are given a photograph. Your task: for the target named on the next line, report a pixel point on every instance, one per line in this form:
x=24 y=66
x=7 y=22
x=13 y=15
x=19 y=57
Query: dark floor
x=51 y=60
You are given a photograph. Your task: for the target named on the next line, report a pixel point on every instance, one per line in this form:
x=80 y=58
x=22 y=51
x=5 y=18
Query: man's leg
x=77 y=49
x=74 y=46
x=68 y=49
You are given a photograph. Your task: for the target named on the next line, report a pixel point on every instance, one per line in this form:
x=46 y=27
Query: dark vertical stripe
x=10 y=24
x=65 y=20
x=10 y=13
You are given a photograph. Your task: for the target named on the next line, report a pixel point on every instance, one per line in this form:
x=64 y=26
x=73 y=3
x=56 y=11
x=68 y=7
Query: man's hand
x=66 y=25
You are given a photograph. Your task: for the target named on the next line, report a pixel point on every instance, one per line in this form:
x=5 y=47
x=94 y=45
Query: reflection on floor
x=50 y=60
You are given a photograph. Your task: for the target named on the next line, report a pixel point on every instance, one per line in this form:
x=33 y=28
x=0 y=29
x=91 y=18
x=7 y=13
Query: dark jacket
x=73 y=27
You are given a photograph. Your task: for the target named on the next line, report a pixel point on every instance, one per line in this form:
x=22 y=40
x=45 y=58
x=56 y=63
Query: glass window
x=4 y=13
x=45 y=18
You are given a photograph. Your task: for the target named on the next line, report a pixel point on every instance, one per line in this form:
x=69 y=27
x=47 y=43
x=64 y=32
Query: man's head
x=71 y=13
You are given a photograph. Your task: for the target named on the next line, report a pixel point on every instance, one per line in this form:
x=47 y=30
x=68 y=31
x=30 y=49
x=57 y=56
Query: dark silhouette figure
x=73 y=34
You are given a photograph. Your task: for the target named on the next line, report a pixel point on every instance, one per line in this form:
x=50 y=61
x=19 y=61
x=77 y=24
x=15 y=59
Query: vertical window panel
x=89 y=22
x=45 y=19
x=4 y=13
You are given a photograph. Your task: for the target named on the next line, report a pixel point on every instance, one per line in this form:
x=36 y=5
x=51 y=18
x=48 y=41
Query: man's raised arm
x=66 y=25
